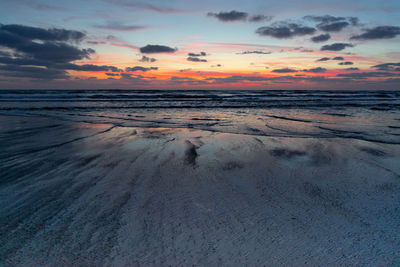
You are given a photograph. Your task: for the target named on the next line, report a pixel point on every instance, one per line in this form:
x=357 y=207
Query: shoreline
x=159 y=196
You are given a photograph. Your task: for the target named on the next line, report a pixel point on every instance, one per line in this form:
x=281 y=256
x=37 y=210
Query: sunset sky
x=154 y=44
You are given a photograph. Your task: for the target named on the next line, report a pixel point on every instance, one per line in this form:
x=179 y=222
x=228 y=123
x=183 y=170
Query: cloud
x=323 y=59
x=329 y=23
x=139 y=68
x=95 y=42
x=229 y=16
x=380 y=32
x=147 y=59
x=146 y=6
x=324 y=19
x=284 y=70
x=333 y=27
x=285 y=30
x=321 y=38
x=112 y=74
x=152 y=49
x=58 y=66
x=279 y=79
x=185 y=70
x=45 y=7
x=364 y=75
x=44 y=53
x=259 y=18
x=136 y=79
x=255 y=52
x=89 y=67
x=351 y=69
x=54 y=65
x=201 y=54
x=53 y=45
x=114 y=41
x=316 y=70
x=388 y=66
x=114 y=26
x=338 y=58
x=353 y=21
x=56 y=52
x=335 y=47
x=196 y=59
x=346 y=63
x=85 y=67
x=234 y=15
x=18 y=32
x=32 y=72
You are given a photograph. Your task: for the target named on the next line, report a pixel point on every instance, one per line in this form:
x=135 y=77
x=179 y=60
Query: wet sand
x=90 y=194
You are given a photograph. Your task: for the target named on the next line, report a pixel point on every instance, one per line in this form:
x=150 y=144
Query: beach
x=91 y=184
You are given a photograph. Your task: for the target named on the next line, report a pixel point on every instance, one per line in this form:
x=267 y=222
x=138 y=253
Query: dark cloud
x=353 y=21
x=259 y=18
x=16 y=32
x=280 y=79
x=323 y=59
x=346 y=63
x=329 y=23
x=185 y=70
x=324 y=19
x=112 y=74
x=120 y=27
x=126 y=76
x=136 y=79
x=284 y=70
x=333 y=27
x=196 y=59
x=255 y=52
x=388 y=66
x=4 y=54
x=139 y=68
x=351 y=69
x=201 y=54
x=239 y=16
x=87 y=67
x=56 y=52
x=229 y=16
x=338 y=58
x=95 y=42
x=44 y=53
x=316 y=70
x=364 y=75
x=380 y=32
x=18 y=71
x=54 y=65
x=145 y=5
x=147 y=59
x=152 y=49
x=321 y=38
x=285 y=30
x=335 y=47
x=53 y=45
x=9 y=59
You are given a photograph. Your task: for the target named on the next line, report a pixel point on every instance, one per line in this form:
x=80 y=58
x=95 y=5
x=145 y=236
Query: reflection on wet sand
x=78 y=193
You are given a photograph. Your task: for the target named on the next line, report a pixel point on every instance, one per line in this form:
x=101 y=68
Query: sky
x=185 y=44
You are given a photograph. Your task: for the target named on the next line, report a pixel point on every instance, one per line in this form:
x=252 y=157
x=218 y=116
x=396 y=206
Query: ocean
x=366 y=115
